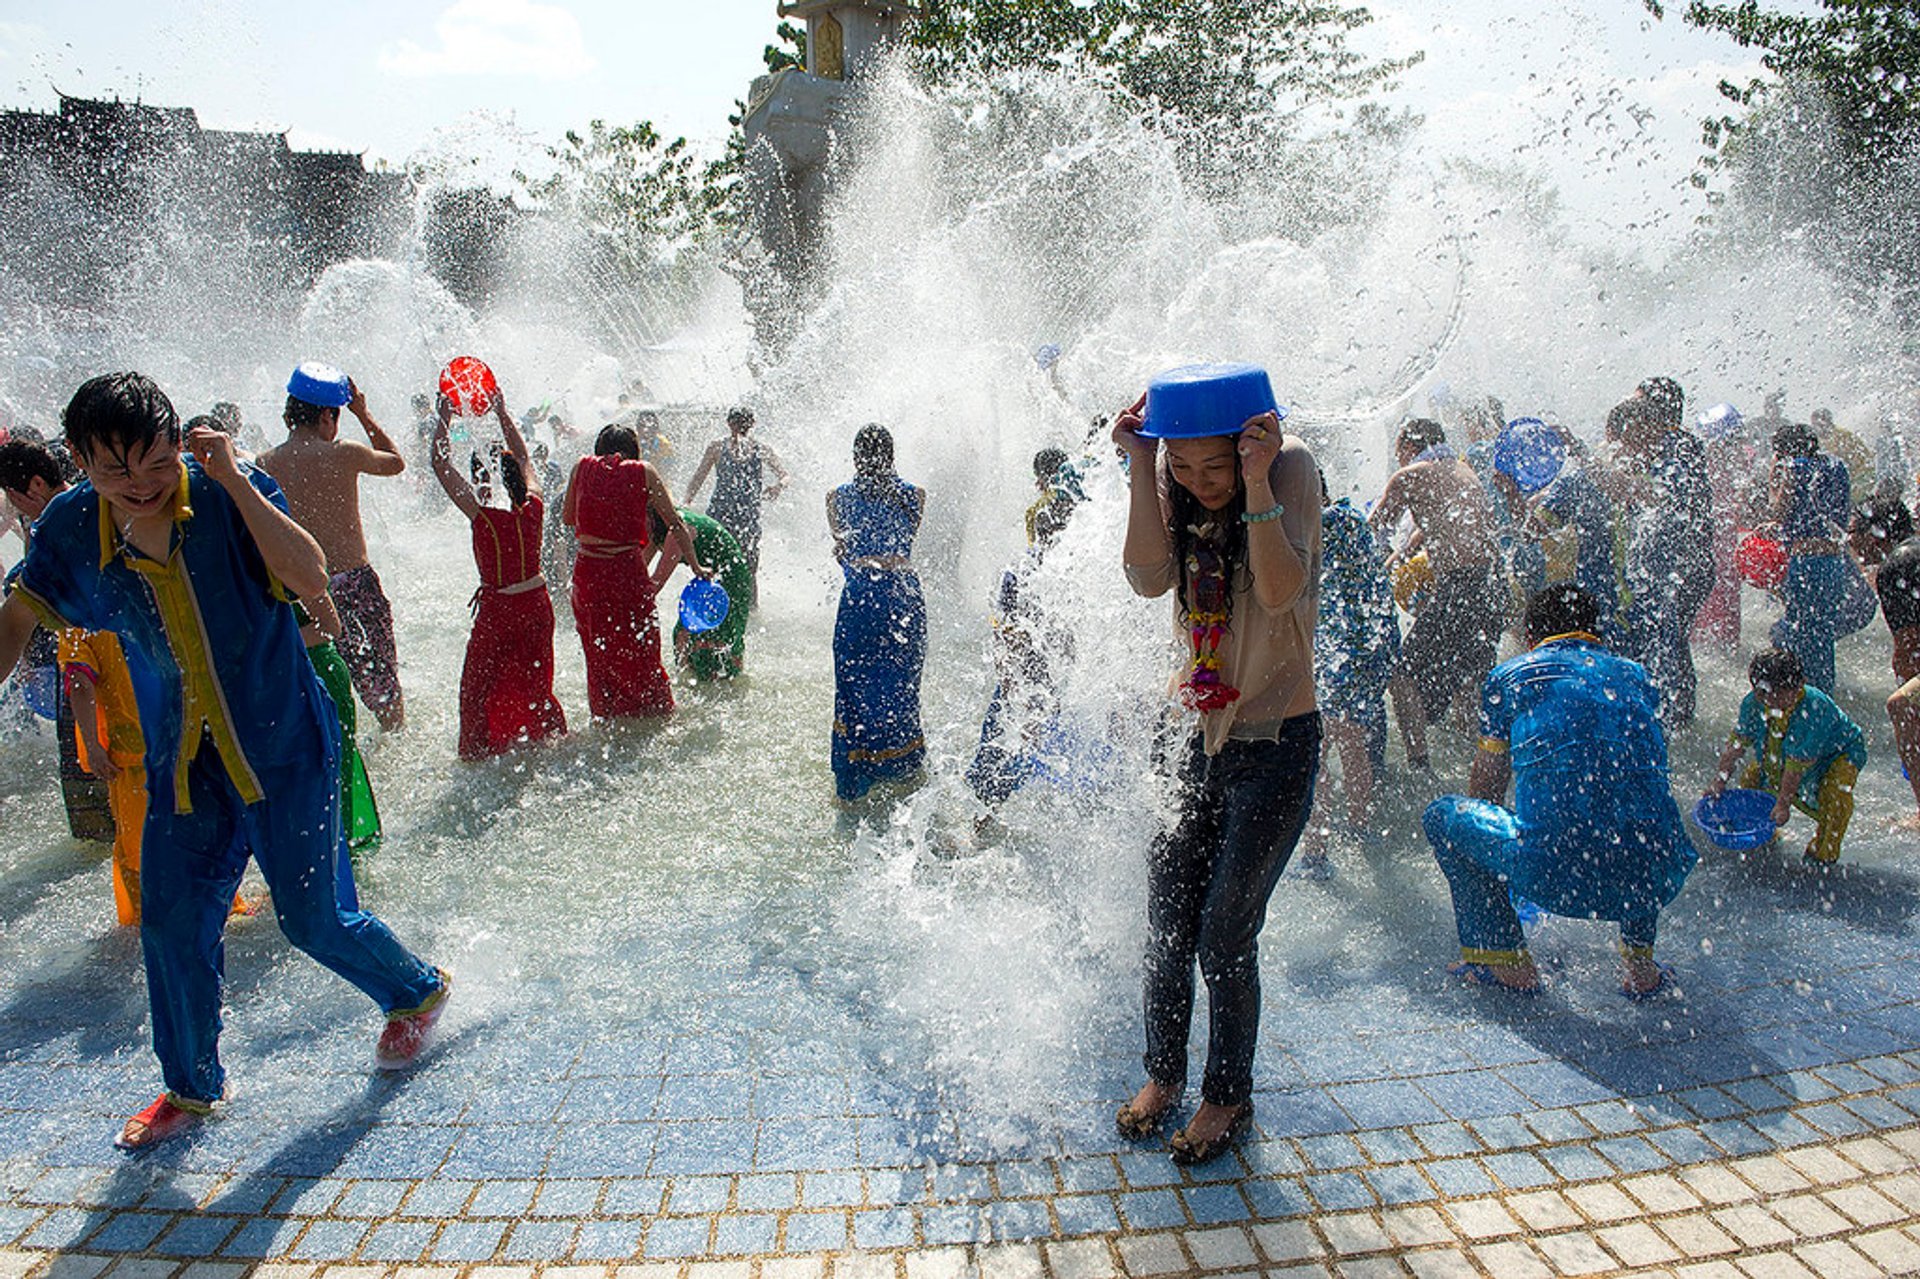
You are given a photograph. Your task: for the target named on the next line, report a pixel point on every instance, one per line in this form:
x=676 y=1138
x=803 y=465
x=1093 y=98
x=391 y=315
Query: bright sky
x=394 y=78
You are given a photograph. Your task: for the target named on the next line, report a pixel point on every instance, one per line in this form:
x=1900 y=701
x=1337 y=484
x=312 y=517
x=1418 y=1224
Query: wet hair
x=299 y=413
x=1187 y=514
x=616 y=440
x=739 y=418
x=1666 y=401
x=1774 y=669
x=203 y=422
x=1046 y=462
x=122 y=413
x=873 y=450
x=1621 y=418
x=514 y=479
x=1885 y=519
x=22 y=461
x=226 y=417
x=1422 y=433
x=1795 y=439
x=1560 y=609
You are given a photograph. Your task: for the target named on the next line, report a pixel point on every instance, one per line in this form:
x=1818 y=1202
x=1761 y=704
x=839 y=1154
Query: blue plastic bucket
x=320 y=384
x=1737 y=820
x=1207 y=399
x=703 y=605
x=1531 y=452
x=39 y=688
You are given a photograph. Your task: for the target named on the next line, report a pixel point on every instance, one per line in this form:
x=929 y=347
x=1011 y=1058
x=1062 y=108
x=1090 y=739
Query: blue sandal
x=1485 y=975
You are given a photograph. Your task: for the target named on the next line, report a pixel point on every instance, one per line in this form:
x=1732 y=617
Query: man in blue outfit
x=192 y=564
x=1593 y=832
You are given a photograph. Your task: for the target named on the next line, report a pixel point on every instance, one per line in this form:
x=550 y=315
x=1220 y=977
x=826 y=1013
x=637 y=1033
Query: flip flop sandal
x=1486 y=975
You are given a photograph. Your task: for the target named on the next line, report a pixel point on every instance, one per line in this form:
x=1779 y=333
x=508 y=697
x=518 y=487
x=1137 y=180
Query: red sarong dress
x=613 y=605
x=506 y=687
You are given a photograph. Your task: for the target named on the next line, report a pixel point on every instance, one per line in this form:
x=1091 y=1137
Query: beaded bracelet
x=1248 y=517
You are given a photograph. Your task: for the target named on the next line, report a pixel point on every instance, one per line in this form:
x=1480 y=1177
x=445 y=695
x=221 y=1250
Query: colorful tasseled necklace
x=1207 y=590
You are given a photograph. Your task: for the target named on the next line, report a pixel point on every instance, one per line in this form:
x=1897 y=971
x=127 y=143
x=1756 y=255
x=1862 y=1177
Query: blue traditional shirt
x=1358 y=633
x=1590 y=781
x=1579 y=545
x=1818 y=498
x=1813 y=734
x=877 y=519
x=210 y=639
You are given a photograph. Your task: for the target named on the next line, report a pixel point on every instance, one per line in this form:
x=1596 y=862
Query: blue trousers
x=191 y=866
x=1667 y=593
x=1208 y=882
x=1813 y=591
x=1478 y=846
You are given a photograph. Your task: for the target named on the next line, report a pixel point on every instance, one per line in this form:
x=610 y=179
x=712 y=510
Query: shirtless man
x=320 y=474
x=1454 y=636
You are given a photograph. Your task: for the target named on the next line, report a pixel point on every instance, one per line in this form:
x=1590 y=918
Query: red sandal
x=168 y=1117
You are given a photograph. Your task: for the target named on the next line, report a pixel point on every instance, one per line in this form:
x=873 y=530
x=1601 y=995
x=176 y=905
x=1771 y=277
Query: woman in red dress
x=506 y=686
x=613 y=595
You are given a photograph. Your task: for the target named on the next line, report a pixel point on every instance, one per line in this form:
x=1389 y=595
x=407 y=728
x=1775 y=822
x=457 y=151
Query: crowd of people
x=211 y=619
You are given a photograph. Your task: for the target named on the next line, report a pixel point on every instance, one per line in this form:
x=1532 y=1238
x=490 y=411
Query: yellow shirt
x=98 y=654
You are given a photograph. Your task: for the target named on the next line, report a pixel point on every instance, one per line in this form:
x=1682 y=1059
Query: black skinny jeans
x=1208 y=881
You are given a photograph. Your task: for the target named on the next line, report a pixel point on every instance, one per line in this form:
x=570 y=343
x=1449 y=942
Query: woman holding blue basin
x=1225 y=514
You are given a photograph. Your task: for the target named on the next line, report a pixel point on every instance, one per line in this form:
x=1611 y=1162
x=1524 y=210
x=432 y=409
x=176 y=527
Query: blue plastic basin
x=1207 y=399
x=1531 y=452
x=703 y=605
x=320 y=384
x=1737 y=820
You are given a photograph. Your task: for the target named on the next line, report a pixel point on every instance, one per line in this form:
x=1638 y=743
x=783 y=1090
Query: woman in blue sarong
x=880 y=634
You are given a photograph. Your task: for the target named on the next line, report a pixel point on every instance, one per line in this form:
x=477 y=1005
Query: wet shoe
x=1136 y=1124
x=1186 y=1151
x=1661 y=986
x=1488 y=975
x=167 y=1118
x=408 y=1032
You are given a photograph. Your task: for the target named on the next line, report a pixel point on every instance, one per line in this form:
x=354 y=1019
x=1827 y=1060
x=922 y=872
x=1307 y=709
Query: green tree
x=628 y=187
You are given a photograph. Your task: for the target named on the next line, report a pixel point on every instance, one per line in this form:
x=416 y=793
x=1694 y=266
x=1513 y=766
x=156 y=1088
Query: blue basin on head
x=1531 y=452
x=320 y=384
x=1207 y=399
x=1737 y=820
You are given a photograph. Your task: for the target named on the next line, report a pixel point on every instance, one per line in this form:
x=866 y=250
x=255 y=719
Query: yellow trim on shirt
x=1493 y=745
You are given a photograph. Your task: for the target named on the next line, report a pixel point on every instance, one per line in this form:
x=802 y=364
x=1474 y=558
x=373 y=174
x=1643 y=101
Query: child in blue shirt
x=1806 y=750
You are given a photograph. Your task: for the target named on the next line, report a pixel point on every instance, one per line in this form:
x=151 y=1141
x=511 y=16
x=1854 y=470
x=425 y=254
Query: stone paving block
x=1808 y=1216
x=1372 y=1268
x=376 y=1199
x=747 y=1235
x=1558 y=1125
x=1020 y=1219
x=797 y=1268
x=76 y=1265
x=1088 y=1174
x=1903 y=1189
x=540 y=1240
x=398 y=1241
x=1272 y=1158
x=1216 y=1205
x=1738 y=1137
x=1078 y=1260
x=937 y=1263
x=967 y=1222
x=1864 y=1205
x=815 y=1232
x=1519 y=1170
x=1334 y=1151
x=1632 y=1154
x=330 y=1241
x=1821 y=1167
x=1460 y=1177
x=1636 y=1244
x=1770 y=1175
x=1447 y=1140
x=468 y=1241
x=439 y=1198
x=566 y=1198
x=205 y=1270
x=1275 y=1198
x=1574 y=1253
x=1661 y=1193
x=1576 y=1163
x=196 y=1236
x=1716 y=1185
x=1711 y=1103
x=962 y=1181
x=1340 y=1191
x=718 y=1270
x=1894 y=1251
x=1389 y=1146
x=1753 y=1226
x=1153 y=1255
x=1543 y=1210
x=510 y=1198
x=1441 y=1263
x=1603 y=1202
x=690 y=1195
x=678 y=1237
x=1400 y=1184
x=1414 y=1227
x=1696 y=1235
x=1878 y=1112
x=608 y=1240
x=1354 y=1233
x=1152 y=1210
x=1511 y=1260
x=865 y=1266
x=1834 y=1259
x=1683 y=1145
x=1707 y=1270
x=1029 y=1177
x=262 y=1238
x=1482 y=1218
x=1284 y=1241
x=1221 y=1249
x=1775 y=1265
x=1612 y=1118
x=637 y=1270
x=1144 y=1171
x=1501 y=1132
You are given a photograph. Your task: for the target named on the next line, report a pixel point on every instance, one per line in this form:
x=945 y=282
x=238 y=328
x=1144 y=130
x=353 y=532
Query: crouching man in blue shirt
x=191 y=563
x=1593 y=832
